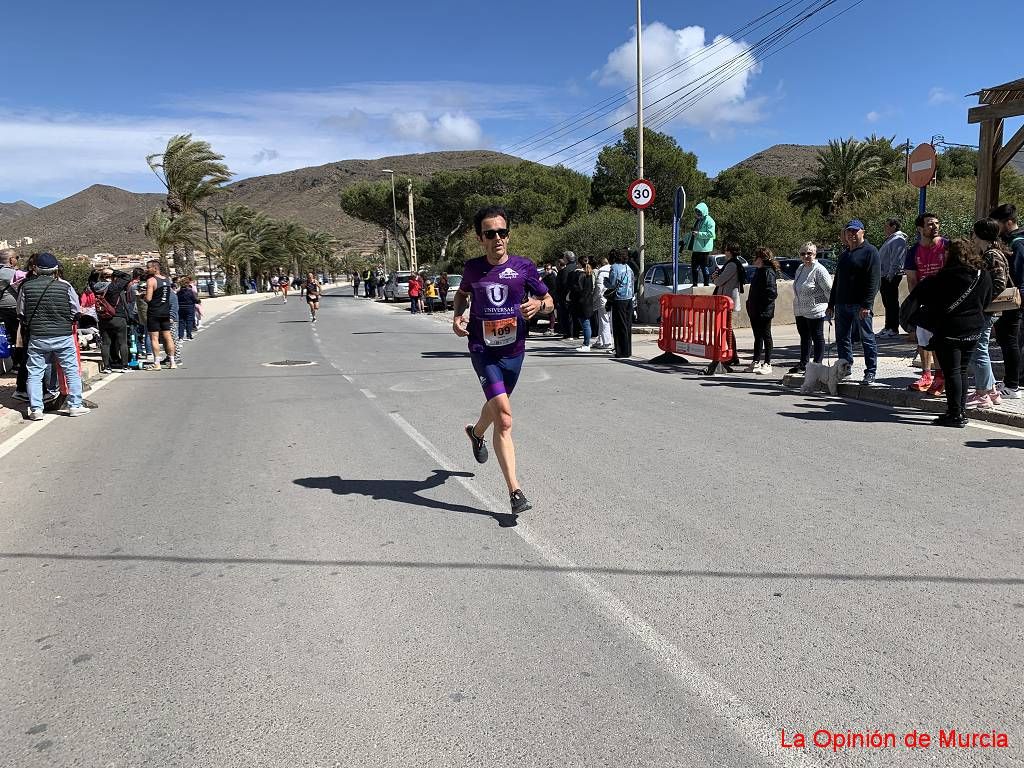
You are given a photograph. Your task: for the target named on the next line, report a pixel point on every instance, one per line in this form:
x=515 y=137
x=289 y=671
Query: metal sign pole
x=677 y=214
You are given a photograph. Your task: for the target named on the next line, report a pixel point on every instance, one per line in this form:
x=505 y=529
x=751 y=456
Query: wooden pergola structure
x=994 y=106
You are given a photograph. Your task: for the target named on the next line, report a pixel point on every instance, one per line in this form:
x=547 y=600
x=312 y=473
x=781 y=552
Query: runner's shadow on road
x=404 y=492
x=995 y=443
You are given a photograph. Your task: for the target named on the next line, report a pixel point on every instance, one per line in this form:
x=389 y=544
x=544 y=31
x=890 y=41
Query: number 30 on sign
x=641 y=194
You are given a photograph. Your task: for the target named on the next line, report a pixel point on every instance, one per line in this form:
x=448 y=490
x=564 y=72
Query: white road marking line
x=345 y=376
x=34 y=426
x=760 y=734
x=369 y=394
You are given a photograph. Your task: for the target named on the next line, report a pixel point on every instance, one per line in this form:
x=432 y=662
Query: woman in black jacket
x=953 y=303
x=761 y=308
x=581 y=299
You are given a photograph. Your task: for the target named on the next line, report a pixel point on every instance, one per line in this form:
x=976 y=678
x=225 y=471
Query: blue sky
x=279 y=86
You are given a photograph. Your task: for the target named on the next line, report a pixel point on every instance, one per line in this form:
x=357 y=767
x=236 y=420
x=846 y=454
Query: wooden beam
x=1007 y=153
x=986 y=152
x=995 y=112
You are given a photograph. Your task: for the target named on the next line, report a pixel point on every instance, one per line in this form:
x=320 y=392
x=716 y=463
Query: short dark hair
x=1004 y=212
x=621 y=256
x=137 y=272
x=153 y=261
x=919 y=221
x=987 y=230
x=489 y=213
x=732 y=249
x=893 y=223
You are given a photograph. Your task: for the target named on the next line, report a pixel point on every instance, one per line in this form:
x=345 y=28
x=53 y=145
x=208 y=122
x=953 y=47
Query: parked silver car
x=397 y=286
x=658 y=282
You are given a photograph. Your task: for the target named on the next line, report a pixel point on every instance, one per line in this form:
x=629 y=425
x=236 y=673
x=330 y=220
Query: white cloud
x=873 y=117
x=44 y=155
x=939 y=95
x=695 y=65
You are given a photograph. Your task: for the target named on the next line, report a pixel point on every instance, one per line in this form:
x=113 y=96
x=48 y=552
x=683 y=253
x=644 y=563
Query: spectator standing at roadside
x=48 y=306
x=581 y=299
x=892 y=256
x=1007 y=327
x=620 y=277
x=924 y=259
x=355 y=285
x=430 y=291
x=114 y=330
x=187 y=300
x=173 y=359
x=10 y=279
x=811 y=288
x=550 y=278
x=993 y=254
x=858 y=274
x=601 y=312
x=701 y=241
x=729 y=281
x=443 y=288
x=414 y=293
x=566 y=320
x=158 y=313
x=954 y=299
x=761 y=308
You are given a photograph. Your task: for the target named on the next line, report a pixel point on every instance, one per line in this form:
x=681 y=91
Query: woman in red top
x=414 y=294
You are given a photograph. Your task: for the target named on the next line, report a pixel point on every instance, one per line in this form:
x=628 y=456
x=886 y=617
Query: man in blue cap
x=858 y=274
x=48 y=306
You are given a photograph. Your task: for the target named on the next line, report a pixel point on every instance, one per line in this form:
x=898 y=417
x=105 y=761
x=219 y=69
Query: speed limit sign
x=641 y=194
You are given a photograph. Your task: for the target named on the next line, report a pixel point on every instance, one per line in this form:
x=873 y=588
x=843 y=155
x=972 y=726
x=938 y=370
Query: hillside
x=15 y=209
x=108 y=219
x=791 y=161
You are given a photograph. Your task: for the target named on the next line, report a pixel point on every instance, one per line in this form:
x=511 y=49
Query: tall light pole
x=394 y=210
x=639 y=137
x=413 y=261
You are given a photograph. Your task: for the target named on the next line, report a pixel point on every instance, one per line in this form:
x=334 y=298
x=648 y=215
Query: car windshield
x=402 y=278
x=454 y=280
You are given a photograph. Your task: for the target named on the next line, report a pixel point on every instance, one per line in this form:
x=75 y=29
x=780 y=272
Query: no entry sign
x=922 y=165
x=641 y=194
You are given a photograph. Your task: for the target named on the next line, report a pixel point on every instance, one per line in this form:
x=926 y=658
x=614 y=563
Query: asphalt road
x=236 y=564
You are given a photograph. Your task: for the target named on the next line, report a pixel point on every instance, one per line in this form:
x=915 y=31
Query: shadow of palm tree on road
x=404 y=492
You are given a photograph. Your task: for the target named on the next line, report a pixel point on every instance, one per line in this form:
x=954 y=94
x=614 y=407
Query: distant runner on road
x=312 y=289
x=499 y=315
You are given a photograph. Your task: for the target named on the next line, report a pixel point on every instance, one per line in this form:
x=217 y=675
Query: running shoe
x=479 y=445
x=35 y=415
x=519 y=502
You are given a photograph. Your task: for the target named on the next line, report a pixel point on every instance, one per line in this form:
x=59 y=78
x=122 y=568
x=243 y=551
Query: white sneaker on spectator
x=763 y=370
x=79 y=410
x=584 y=348
x=34 y=415
x=1008 y=394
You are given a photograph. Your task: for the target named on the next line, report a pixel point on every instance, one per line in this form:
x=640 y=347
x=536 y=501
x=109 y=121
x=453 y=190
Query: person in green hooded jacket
x=701 y=241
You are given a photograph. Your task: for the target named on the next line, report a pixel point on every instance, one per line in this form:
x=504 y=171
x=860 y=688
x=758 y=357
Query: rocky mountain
x=108 y=219
x=791 y=161
x=13 y=210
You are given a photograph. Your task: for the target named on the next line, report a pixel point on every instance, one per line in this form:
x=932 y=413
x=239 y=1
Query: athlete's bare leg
x=498 y=412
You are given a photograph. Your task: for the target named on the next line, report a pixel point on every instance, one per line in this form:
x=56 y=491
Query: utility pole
x=394 y=211
x=639 y=137
x=413 y=261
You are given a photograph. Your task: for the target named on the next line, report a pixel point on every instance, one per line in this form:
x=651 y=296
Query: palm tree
x=191 y=172
x=848 y=170
x=231 y=251
x=168 y=233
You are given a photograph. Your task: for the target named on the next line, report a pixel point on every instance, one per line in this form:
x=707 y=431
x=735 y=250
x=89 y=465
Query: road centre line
x=368 y=394
x=756 y=731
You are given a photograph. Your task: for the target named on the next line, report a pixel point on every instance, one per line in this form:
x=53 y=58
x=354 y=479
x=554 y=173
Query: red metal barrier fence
x=697 y=325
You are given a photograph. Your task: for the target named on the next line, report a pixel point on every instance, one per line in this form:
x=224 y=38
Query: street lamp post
x=394 y=211
x=209 y=259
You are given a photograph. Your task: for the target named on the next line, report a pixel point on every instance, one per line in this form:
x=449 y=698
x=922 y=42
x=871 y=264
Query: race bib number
x=498 y=333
